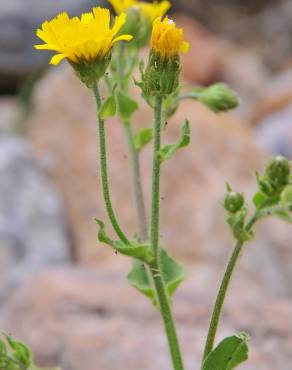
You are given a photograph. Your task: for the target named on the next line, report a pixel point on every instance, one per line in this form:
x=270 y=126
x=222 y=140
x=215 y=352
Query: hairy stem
x=217 y=311
x=162 y=295
x=137 y=184
x=133 y=153
x=104 y=172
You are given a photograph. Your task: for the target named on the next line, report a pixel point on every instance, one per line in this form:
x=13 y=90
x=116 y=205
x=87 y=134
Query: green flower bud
x=278 y=172
x=90 y=73
x=286 y=197
x=234 y=202
x=161 y=76
x=138 y=26
x=219 y=98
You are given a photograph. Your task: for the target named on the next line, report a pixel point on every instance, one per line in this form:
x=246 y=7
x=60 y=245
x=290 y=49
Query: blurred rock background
x=59 y=288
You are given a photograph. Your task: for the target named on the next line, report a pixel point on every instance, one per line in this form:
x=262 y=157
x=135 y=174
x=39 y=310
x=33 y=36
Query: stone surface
x=71 y=318
x=18 y=22
x=32 y=226
x=211 y=49
x=271 y=112
x=64 y=133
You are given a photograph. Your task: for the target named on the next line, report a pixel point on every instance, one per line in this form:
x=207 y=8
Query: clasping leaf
x=169 y=150
x=142 y=252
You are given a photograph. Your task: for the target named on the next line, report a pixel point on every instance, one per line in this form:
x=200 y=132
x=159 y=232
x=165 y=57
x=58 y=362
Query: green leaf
x=142 y=138
x=102 y=236
x=237 y=224
x=139 y=279
x=21 y=352
x=108 y=108
x=230 y=353
x=142 y=252
x=127 y=106
x=278 y=211
x=169 y=150
x=173 y=275
x=259 y=200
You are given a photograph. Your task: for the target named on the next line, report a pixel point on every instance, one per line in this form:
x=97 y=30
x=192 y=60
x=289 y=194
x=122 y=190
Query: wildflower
x=86 y=42
x=167 y=40
x=83 y=39
x=150 y=10
x=163 y=70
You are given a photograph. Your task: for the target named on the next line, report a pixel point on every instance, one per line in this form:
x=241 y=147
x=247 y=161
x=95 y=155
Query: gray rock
x=32 y=227
x=18 y=21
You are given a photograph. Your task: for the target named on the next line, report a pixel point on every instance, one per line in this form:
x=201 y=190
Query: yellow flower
x=167 y=40
x=151 y=11
x=84 y=39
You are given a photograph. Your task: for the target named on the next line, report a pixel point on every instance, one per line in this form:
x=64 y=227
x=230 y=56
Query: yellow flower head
x=167 y=40
x=84 y=39
x=151 y=11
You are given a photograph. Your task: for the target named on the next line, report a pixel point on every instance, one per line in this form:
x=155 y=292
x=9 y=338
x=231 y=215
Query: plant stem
x=104 y=171
x=133 y=153
x=223 y=290
x=137 y=184
x=162 y=296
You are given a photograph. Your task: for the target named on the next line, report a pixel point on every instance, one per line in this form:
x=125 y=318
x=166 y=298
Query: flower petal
x=57 y=59
x=123 y=38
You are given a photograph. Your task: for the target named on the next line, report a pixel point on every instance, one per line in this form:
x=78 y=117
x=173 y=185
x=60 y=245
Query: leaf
x=259 y=200
x=173 y=275
x=278 y=211
x=102 y=236
x=142 y=252
x=230 y=353
x=236 y=222
x=142 y=138
x=169 y=150
x=139 y=279
x=108 y=108
x=21 y=352
x=127 y=106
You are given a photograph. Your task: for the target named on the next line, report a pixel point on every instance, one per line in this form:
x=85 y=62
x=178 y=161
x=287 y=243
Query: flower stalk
x=162 y=296
x=104 y=171
x=217 y=310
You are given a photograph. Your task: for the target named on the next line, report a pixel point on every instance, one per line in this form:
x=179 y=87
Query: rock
x=9 y=114
x=193 y=183
x=18 y=22
x=210 y=48
x=70 y=318
x=271 y=112
x=32 y=227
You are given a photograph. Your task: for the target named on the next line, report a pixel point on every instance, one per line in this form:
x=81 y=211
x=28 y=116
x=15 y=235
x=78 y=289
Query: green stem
x=104 y=172
x=162 y=296
x=134 y=155
x=223 y=290
x=137 y=184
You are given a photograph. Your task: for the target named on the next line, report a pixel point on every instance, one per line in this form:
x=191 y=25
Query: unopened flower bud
x=278 y=172
x=234 y=202
x=286 y=197
x=219 y=98
x=138 y=26
x=162 y=74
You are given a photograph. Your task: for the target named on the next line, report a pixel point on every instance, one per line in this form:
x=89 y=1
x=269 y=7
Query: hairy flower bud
x=234 y=202
x=278 y=172
x=219 y=98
